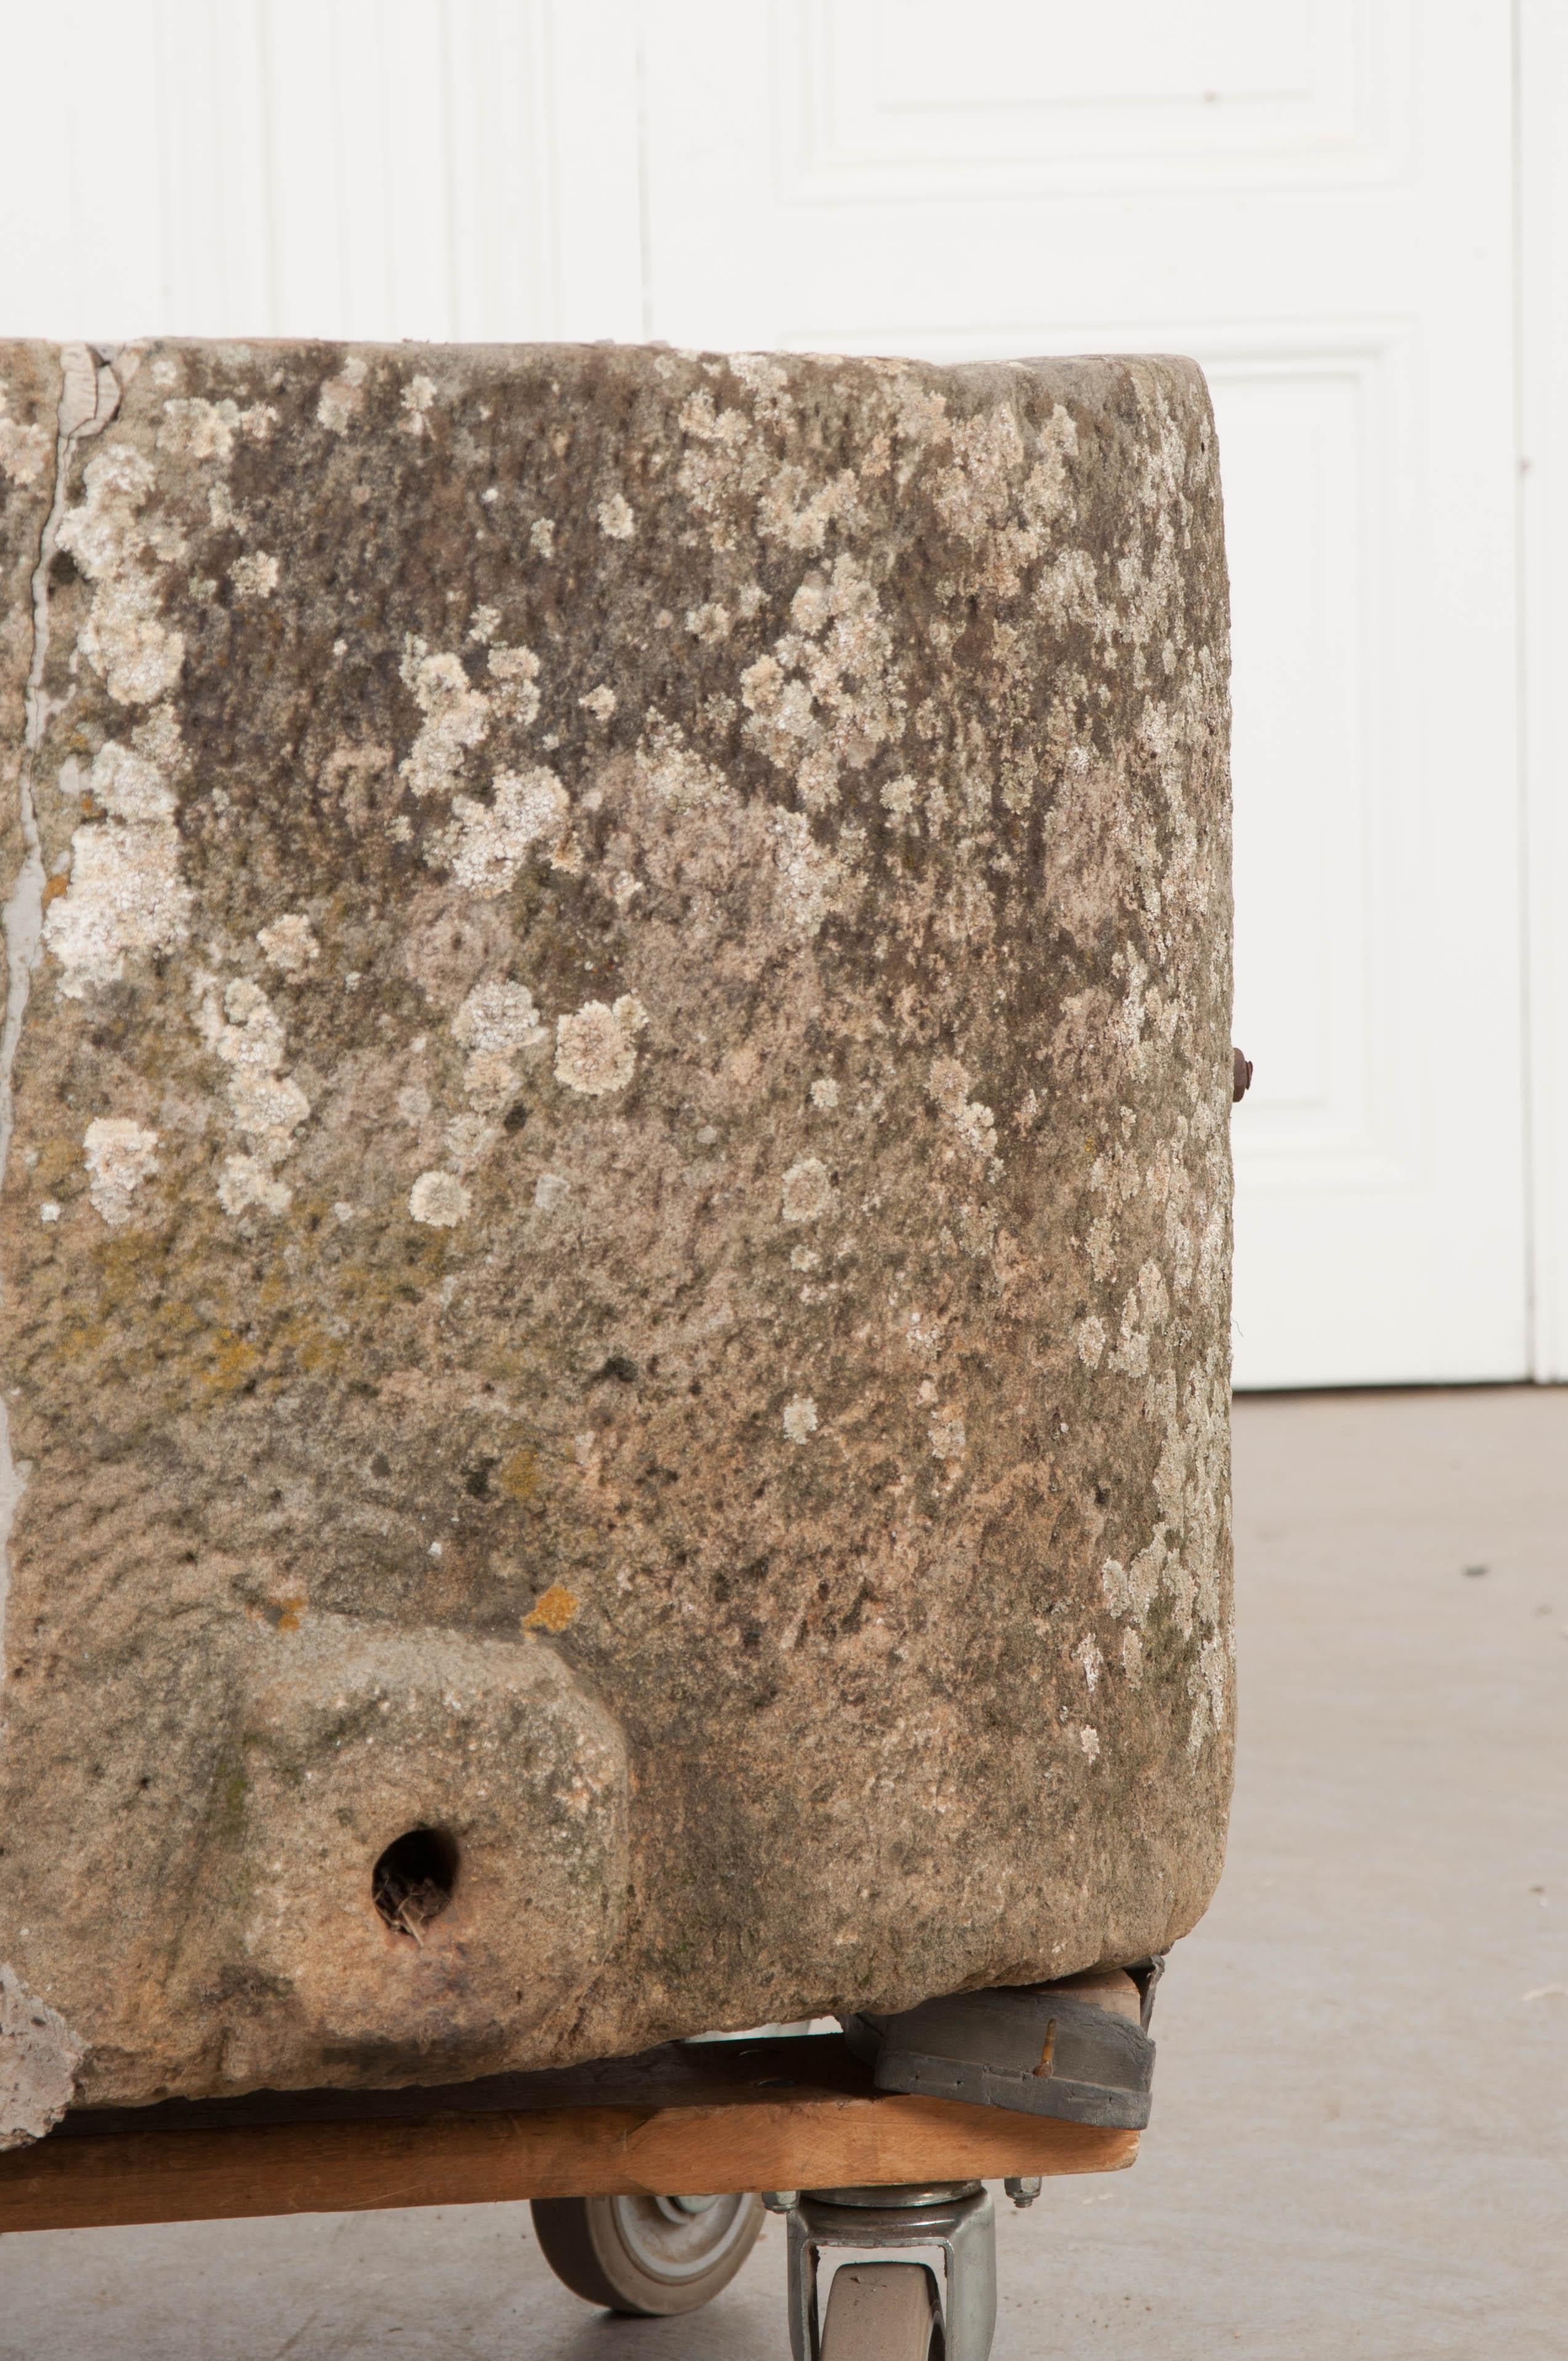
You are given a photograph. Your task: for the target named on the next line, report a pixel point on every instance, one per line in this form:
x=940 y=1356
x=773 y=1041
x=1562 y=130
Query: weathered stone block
x=616 y=1224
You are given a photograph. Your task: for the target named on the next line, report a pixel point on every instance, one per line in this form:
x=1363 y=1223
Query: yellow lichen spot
x=553 y=1611
x=518 y=1475
x=232 y=1362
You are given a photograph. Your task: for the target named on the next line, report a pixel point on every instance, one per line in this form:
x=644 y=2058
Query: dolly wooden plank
x=740 y=2135
x=580 y=2152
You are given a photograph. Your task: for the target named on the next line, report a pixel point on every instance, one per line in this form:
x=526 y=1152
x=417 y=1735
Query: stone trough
x=617 y=1199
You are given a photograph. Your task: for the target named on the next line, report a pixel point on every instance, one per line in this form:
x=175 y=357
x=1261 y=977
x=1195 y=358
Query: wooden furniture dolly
x=596 y=2148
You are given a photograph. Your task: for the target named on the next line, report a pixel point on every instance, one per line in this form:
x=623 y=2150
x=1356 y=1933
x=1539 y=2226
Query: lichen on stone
x=595 y=1047
x=39 y=2058
x=617 y=1236
x=119 y=1155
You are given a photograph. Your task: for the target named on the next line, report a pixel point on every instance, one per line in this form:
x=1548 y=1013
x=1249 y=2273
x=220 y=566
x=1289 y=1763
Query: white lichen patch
x=1143 y=1317
x=1089 y=1340
x=1096 y=841
x=254 y=575
x=550 y=1192
x=1207 y=1682
x=119 y=1155
x=289 y=944
x=826 y=698
x=38 y=2057
x=124 y=638
x=252 y=1044
x=674 y=773
x=467 y=1140
x=767 y=382
x=458 y=716
x=988 y=499
x=496 y=1022
x=1089 y=1739
x=615 y=518
x=788 y=512
x=1182 y=1559
x=1090 y=1661
x=898 y=799
x=268 y=1106
x=489 y=842
x=947 y=1436
x=490 y=1081
x=439 y=1200
x=515 y=693
x=814 y=882
x=417 y=398
x=246 y=1181
x=800 y=1418
x=226 y=518
x=808 y=1191
x=194 y=428
x=541 y=536
x=722 y=459
x=595 y=1049
x=601 y=702
x=498 y=1016
x=341 y=398
x=825 y=1094
x=1102 y=1246
x=709 y=624
x=727 y=463
x=24 y=449
x=923 y=1334
x=125 y=895
x=975 y=1125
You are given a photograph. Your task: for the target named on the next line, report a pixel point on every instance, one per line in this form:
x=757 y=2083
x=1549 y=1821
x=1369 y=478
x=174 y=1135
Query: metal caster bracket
x=956 y=2216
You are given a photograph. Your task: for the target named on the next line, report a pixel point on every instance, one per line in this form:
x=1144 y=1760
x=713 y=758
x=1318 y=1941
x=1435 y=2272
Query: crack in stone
x=89 y=395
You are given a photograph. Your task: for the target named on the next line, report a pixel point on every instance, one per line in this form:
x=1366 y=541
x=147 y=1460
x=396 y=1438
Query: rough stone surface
x=616 y=1239
x=38 y=2057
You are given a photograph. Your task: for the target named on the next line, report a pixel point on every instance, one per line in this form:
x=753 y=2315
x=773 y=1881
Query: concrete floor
x=1360 y=2147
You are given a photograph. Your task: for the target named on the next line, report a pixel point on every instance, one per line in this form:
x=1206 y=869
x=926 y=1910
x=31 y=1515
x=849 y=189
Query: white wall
x=1317 y=197
x=449 y=169
x=1543 y=481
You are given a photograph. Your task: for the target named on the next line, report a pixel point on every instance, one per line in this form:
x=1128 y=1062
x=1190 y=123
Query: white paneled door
x=1315 y=197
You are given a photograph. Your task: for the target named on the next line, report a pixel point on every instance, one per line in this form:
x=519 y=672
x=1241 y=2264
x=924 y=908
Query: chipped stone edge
x=38 y=2057
x=91 y=382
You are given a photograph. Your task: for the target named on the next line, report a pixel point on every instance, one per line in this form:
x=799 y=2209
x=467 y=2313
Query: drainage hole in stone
x=414 y=1880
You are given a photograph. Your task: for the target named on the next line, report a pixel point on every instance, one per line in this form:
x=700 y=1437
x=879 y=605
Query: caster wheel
x=883 y=2312
x=650 y=2256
